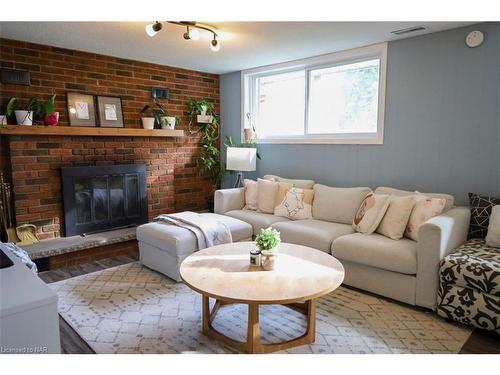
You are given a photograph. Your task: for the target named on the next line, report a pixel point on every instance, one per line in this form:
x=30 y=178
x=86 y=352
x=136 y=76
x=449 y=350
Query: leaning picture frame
x=110 y=112
x=81 y=109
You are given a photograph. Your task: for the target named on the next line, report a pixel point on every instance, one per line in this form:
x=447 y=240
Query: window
x=335 y=98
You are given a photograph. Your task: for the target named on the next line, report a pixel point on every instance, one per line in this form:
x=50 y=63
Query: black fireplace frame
x=68 y=175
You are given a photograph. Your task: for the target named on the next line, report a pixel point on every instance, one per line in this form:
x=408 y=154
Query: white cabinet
x=29 y=322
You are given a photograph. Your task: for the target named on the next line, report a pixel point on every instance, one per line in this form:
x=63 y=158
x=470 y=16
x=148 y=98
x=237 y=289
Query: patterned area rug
x=131 y=309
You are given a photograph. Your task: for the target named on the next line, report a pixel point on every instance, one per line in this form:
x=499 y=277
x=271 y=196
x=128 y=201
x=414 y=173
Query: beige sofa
x=404 y=270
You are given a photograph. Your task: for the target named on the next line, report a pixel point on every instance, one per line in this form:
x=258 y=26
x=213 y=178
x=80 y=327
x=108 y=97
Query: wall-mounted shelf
x=87 y=132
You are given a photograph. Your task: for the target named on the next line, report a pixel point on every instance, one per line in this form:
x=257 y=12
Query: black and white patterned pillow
x=480 y=209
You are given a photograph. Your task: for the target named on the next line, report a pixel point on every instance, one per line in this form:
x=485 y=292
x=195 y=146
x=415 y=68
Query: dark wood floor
x=480 y=342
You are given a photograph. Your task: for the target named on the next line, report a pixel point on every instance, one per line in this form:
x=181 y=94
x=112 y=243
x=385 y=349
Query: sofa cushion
x=396 y=218
x=378 y=251
x=337 y=204
x=258 y=220
x=370 y=213
x=294 y=203
x=450 y=199
x=266 y=194
x=480 y=210
x=317 y=234
x=425 y=208
x=302 y=184
x=251 y=194
x=493 y=236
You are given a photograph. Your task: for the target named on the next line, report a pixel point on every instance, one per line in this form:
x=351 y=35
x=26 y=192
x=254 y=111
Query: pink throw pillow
x=251 y=194
x=424 y=209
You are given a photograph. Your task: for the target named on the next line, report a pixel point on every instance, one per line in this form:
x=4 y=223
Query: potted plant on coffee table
x=267 y=241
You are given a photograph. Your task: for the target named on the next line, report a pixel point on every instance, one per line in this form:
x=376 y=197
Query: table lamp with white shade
x=241 y=159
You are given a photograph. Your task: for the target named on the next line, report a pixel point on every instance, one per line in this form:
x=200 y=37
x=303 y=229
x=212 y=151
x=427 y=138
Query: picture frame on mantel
x=110 y=113
x=81 y=109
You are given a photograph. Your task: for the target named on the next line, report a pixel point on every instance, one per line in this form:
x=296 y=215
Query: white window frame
x=376 y=51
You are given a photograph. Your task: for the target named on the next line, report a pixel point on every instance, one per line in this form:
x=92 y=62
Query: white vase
x=168 y=122
x=148 y=122
x=268 y=260
x=24 y=117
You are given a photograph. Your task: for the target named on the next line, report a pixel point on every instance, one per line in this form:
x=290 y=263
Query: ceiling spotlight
x=153 y=28
x=214 y=44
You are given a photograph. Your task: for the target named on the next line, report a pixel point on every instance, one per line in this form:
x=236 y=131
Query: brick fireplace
x=33 y=162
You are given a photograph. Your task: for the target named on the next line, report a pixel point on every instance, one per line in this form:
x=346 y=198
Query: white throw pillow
x=370 y=213
x=493 y=236
x=251 y=194
x=293 y=203
x=396 y=218
x=266 y=193
x=425 y=208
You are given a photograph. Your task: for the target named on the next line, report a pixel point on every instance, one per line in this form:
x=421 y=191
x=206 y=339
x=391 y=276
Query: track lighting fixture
x=192 y=31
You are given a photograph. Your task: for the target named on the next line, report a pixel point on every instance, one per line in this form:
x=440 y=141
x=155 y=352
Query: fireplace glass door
x=100 y=198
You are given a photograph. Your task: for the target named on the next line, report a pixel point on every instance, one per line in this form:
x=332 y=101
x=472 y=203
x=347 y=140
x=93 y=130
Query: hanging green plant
x=209 y=160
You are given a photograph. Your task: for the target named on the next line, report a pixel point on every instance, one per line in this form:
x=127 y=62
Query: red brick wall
x=174 y=182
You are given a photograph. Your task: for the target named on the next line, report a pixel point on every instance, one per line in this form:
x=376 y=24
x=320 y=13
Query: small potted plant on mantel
x=267 y=241
x=50 y=116
x=3 y=115
x=151 y=114
x=27 y=113
x=169 y=122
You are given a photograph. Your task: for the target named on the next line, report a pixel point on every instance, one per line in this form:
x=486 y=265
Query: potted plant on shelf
x=3 y=115
x=203 y=110
x=267 y=241
x=50 y=116
x=151 y=114
x=27 y=113
x=169 y=122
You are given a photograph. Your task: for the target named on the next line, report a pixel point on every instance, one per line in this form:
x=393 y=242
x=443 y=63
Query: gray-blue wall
x=442 y=123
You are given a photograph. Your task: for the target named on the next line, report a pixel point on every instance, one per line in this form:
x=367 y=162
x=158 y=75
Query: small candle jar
x=255 y=258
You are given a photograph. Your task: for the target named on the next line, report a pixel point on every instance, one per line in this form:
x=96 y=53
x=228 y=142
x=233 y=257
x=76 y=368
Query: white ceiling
x=243 y=44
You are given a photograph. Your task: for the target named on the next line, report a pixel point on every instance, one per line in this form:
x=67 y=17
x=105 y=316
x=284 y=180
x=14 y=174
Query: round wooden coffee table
x=223 y=272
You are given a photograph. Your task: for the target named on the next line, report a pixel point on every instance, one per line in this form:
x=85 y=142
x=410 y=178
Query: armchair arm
x=437 y=237
x=229 y=199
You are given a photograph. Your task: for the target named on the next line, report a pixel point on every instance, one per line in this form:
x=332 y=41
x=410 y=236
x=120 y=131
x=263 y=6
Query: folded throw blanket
x=208 y=231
